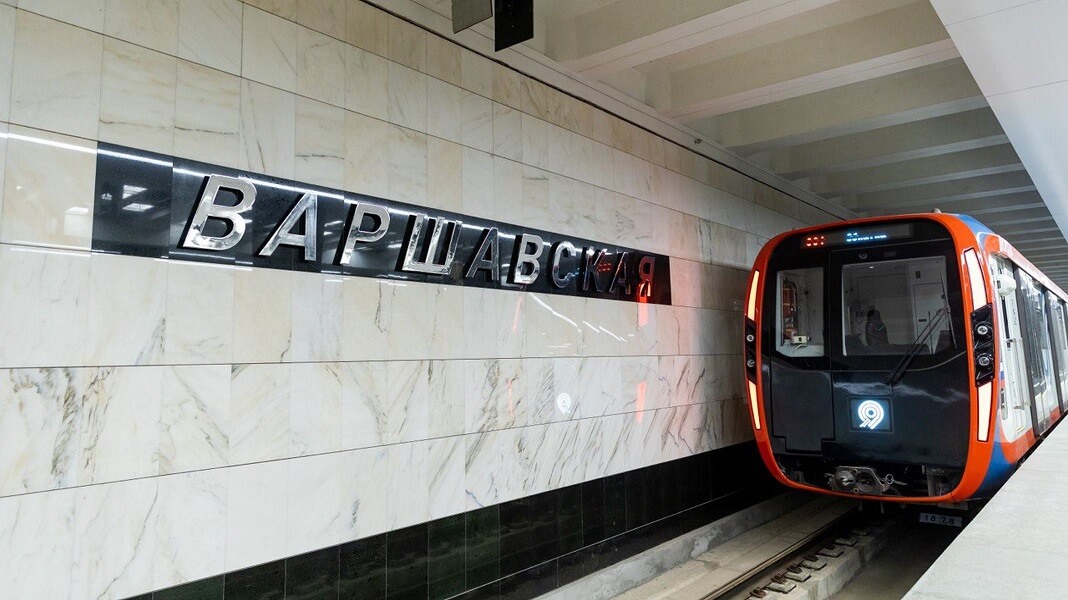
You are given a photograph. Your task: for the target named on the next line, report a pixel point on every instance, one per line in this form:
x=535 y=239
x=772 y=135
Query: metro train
x=912 y=358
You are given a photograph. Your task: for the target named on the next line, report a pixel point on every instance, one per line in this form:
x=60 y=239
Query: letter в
x=206 y=208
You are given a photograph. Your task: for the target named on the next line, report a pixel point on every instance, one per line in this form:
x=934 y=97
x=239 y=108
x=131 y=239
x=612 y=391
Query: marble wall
x=162 y=422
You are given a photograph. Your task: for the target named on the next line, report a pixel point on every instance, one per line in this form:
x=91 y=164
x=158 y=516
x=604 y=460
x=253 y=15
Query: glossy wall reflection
x=516 y=550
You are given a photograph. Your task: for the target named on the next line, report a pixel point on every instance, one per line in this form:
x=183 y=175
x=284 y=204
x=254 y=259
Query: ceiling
x=866 y=103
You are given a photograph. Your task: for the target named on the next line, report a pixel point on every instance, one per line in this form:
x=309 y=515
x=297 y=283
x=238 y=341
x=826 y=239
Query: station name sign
x=155 y=205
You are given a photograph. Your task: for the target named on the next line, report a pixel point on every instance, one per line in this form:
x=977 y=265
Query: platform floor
x=1017 y=547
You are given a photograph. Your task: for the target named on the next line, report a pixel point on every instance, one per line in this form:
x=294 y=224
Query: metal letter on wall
x=487 y=256
x=308 y=207
x=524 y=258
x=421 y=260
x=562 y=248
x=356 y=232
x=206 y=208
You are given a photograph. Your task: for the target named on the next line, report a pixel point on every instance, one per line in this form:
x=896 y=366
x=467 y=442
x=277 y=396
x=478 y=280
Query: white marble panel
x=407 y=97
x=320 y=67
x=505 y=197
x=259 y=412
x=149 y=23
x=446 y=474
x=493 y=394
x=408 y=407
x=615 y=448
x=445 y=174
x=119 y=424
x=479 y=184
x=366 y=82
x=200 y=325
x=327 y=16
x=104 y=566
x=539 y=374
x=446 y=319
x=643 y=386
x=561 y=213
x=561 y=155
x=268 y=130
x=44 y=522
x=556 y=458
x=365 y=318
x=56 y=77
x=507 y=132
x=568 y=312
x=256 y=514
x=410 y=320
x=194 y=426
x=540 y=324
x=3 y=168
x=535 y=141
x=127 y=310
x=477 y=122
x=444 y=110
x=366 y=155
x=262 y=315
x=7 y=58
x=88 y=14
x=365 y=500
x=190 y=527
x=442 y=59
x=269 y=49
x=447 y=407
x=511 y=329
x=481 y=326
x=407 y=43
x=534 y=209
x=507 y=86
x=39 y=445
x=314 y=408
x=207 y=33
x=364 y=404
x=315 y=505
x=48 y=189
x=43 y=305
x=499 y=464
x=408 y=484
x=316 y=317
x=584 y=207
x=407 y=170
x=320 y=143
x=476 y=73
x=207 y=115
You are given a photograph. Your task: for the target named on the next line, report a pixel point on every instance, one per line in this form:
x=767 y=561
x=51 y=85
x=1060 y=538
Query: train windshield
x=889 y=306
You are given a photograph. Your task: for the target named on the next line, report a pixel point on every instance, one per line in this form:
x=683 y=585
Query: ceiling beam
x=624 y=48
x=930 y=137
x=937 y=90
x=939 y=195
x=947 y=167
x=892 y=41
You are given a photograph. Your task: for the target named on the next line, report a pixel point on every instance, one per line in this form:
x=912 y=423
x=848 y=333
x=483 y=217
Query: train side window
x=799 y=312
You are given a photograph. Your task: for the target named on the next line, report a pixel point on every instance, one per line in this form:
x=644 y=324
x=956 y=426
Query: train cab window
x=799 y=312
x=890 y=305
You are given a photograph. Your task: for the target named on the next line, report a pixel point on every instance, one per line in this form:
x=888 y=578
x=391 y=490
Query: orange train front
x=913 y=358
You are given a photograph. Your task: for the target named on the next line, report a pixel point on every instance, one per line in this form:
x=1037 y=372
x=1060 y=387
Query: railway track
x=780 y=573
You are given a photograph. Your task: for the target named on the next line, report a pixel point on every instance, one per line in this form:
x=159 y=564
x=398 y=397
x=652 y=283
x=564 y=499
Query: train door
x=1015 y=401
x=1031 y=297
x=1057 y=334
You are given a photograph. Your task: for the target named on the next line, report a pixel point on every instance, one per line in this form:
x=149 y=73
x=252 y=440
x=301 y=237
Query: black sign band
x=159 y=206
